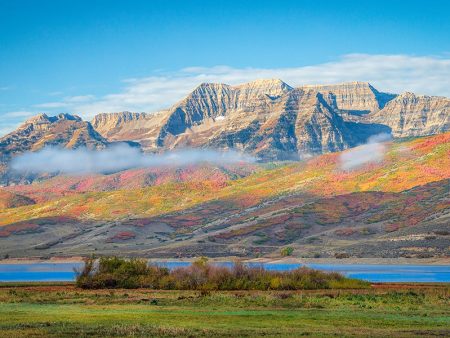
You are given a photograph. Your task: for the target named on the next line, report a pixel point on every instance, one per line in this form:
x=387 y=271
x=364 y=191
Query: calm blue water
x=38 y=272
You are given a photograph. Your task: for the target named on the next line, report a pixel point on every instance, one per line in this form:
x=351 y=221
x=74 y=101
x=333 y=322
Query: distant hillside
x=392 y=208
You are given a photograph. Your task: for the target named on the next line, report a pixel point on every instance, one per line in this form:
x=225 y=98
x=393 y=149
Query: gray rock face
x=125 y=126
x=355 y=97
x=64 y=130
x=412 y=115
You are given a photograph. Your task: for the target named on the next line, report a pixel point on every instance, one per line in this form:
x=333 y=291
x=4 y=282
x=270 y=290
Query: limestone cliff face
x=125 y=126
x=413 y=115
x=110 y=124
x=318 y=127
x=355 y=97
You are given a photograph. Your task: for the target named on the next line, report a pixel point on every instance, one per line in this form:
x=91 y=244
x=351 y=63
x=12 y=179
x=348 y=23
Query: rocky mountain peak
x=211 y=86
x=37 y=119
x=272 y=88
x=204 y=91
x=265 y=85
x=39 y=131
x=44 y=118
x=65 y=116
x=409 y=96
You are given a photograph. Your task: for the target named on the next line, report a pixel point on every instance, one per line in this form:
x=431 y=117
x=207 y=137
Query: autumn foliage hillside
x=202 y=209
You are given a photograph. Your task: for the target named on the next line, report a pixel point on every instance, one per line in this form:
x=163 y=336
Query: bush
x=116 y=272
x=287 y=251
x=113 y=272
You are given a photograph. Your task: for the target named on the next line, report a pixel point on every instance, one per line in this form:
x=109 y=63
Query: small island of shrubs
x=114 y=272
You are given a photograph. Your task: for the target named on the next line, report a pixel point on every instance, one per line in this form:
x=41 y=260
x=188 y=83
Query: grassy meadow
x=62 y=310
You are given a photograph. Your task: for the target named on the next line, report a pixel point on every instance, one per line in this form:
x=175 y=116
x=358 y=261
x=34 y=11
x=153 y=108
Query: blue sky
x=90 y=56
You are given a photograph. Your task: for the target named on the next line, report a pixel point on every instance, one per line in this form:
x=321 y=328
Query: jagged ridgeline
x=265 y=118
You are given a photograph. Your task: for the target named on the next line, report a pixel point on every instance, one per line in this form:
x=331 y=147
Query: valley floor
x=61 y=310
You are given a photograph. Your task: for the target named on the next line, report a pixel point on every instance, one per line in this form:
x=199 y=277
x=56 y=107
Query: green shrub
x=287 y=251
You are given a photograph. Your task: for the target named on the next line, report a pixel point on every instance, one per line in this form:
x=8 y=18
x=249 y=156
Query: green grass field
x=64 y=311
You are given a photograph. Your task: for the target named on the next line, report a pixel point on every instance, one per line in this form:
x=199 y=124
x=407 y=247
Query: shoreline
x=284 y=260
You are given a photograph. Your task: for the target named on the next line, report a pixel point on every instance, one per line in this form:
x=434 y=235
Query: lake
x=39 y=272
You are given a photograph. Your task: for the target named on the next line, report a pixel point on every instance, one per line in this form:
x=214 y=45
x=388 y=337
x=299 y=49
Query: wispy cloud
x=120 y=157
x=51 y=105
x=20 y=113
x=68 y=101
x=371 y=152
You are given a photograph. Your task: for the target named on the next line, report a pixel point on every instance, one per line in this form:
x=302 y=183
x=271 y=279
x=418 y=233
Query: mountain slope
x=60 y=186
x=392 y=205
x=9 y=199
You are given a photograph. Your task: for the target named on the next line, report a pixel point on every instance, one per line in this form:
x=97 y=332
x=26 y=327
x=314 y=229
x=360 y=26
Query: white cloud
x=20 y=113
x=371 y=152
x=79 y=98
x=51 y=105
x=68 y=101
x=120 y=157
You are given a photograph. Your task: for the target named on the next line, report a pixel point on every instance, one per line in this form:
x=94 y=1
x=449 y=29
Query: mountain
x=274 y=121
x=63 y=130
x=127 y=126
x=413 y=115
x=270 y=126
x=396 y=207
x=266 y=118
x=355 y=98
